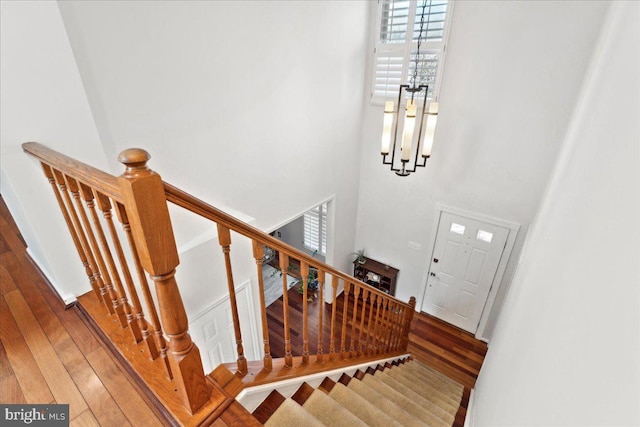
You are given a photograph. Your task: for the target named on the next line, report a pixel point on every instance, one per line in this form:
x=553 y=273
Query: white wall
x=512 y=73
x=567 y=346
x=256 y=105
x=42 y=99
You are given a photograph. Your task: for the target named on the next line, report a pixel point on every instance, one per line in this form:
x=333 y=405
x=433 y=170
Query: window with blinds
x=315 y=229
x=397 y=45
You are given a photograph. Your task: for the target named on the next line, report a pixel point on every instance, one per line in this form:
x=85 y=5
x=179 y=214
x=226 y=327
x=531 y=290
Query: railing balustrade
x=370 y=323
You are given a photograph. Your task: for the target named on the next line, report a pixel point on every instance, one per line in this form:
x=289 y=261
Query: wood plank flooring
x=49 y=355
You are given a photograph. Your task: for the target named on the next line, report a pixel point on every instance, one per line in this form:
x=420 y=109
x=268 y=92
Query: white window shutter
x=396 y=46
x=315 y=229
x=388 y=74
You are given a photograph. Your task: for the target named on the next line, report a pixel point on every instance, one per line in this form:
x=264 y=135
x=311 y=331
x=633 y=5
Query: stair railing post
x=146 y=207
x=407 y=325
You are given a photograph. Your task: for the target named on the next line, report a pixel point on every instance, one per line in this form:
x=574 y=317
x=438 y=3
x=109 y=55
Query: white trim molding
x=471 y=407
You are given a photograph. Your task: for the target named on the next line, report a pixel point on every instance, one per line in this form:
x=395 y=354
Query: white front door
x=465 y=259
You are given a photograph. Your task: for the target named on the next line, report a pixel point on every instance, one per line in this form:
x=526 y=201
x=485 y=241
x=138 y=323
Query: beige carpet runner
x=409 y=394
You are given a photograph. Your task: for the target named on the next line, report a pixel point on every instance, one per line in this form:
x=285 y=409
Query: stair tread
x=380 y=401
x=449 y=392
x=403 y=401
x=442 y=410
x=290 y=414
x=330 y=412
x=425 y=390
x=418 y=365
x=361 y=407
x=431 y=376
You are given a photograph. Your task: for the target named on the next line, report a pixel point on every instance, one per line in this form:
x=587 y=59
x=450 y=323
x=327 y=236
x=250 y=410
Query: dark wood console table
x=376 y=274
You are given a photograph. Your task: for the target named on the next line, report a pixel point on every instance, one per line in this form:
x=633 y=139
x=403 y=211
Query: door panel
x=475 y=266
x=468 y=252
x=449 y=257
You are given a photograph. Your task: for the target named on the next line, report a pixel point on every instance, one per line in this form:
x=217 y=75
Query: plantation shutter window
x=397 y=45
x=315 y=229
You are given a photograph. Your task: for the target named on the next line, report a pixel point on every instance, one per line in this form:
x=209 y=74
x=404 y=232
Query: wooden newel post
x=407 y=326
x=146 y=207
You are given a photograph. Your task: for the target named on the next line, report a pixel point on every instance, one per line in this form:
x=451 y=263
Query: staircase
x=134 y=304
x=405 y=393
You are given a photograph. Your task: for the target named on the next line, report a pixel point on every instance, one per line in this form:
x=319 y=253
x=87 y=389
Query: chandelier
x=414 y=147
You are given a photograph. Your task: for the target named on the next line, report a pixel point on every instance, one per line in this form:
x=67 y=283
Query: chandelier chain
x=415 y=70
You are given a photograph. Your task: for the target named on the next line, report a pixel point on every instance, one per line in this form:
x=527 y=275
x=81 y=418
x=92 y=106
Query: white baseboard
x=68 y=299
x=468 y=419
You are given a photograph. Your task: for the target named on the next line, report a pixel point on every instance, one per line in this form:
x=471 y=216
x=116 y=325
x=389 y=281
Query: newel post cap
x=135 y=159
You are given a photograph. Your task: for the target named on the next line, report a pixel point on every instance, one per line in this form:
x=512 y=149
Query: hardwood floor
x=49 y=355
x=452 y=351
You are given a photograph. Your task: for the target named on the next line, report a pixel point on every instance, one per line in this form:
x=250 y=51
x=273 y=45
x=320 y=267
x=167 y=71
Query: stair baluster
x=352 y=345
x=345 y=306
x=152 y=343
x=96 y=260
x=284 y=268
x=104 y=204
x=258 y=255
x=321 y=278
x=103 y=254
x=369 y=342
x=376 y=325
x=304 y=272
x=332 y=342
x=224 y=237
x=361 y=348
x=80 y=245
x=392 y=327
x=385 y=325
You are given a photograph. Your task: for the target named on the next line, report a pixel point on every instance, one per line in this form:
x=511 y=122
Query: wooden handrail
x=105 y=183
x=197 y=206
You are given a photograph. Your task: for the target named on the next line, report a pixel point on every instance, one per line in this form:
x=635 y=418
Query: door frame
x=513 y=228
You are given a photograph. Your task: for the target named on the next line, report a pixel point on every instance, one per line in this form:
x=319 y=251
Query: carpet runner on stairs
x=406 y=394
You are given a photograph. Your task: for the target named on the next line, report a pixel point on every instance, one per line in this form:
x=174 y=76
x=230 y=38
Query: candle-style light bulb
x=386 y=127
x=432 y=118
x=407 y=132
